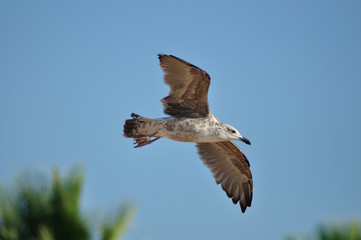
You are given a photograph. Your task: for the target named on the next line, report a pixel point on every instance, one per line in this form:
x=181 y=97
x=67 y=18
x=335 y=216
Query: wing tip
x=161 y=56
x=243 y=208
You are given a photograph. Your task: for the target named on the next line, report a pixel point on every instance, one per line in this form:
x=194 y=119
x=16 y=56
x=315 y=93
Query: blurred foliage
x=39 y=209
x=346 y=231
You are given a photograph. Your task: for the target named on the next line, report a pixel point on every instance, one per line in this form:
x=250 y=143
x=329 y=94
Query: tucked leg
x=142 y=141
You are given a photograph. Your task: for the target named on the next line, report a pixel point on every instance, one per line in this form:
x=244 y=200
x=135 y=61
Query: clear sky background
x=286 y=74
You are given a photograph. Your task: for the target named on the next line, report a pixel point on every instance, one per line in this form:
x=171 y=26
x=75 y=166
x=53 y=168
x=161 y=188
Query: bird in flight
x=191 y=121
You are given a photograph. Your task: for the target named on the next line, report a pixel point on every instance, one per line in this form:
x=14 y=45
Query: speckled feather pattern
x=205 y=129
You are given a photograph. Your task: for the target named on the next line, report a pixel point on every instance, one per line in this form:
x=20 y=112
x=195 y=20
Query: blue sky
x=286 y=74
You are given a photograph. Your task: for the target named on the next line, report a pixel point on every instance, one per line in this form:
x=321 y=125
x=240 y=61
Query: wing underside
x=188 y=96
x=230 y=168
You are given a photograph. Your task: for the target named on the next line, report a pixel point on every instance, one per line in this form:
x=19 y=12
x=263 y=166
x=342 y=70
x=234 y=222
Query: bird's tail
x=139 y=126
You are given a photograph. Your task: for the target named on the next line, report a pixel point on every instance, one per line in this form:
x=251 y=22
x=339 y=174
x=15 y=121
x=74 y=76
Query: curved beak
x=245 y=140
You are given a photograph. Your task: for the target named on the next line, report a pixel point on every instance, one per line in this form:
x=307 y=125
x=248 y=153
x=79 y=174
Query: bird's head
x=232 y=134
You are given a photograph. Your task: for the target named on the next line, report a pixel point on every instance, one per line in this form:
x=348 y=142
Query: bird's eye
x=232 y=131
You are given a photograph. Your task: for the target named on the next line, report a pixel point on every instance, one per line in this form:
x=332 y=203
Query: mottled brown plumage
x=188 y=96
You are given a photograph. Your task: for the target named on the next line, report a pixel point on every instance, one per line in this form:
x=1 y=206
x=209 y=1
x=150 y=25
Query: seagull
x=191 y=121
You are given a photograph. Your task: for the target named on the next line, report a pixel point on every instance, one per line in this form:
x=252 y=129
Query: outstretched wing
x=230 y=168
x=188 y=96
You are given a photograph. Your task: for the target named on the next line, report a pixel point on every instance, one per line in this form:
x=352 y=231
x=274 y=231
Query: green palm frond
x=348 y=231
x=39 y=209
x=112 y=229
x=345 y=231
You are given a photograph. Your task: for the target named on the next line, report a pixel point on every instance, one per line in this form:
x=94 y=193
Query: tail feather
x=135 y=128
x=129 y=126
